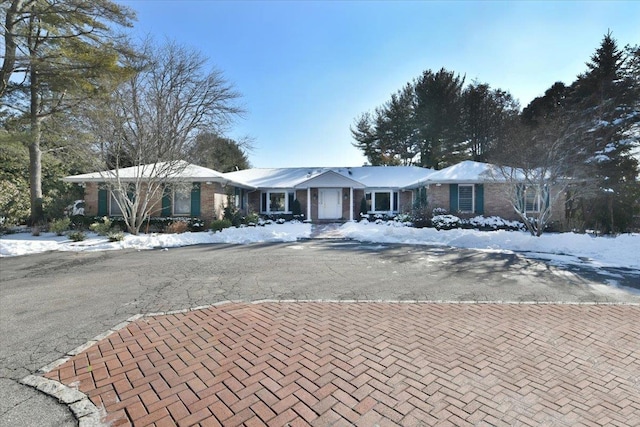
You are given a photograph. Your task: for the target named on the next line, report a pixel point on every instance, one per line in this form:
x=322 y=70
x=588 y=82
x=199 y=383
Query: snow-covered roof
x=465 y=172
x=363 y=177
x=176 y=171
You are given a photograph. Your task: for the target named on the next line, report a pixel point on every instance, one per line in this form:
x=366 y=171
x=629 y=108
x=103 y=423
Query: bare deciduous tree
x=148 y=127
x=541 y=168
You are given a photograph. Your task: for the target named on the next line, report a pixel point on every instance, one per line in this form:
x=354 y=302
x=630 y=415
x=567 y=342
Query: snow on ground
x=559 y=248
x=25 y=243
x=562 y=248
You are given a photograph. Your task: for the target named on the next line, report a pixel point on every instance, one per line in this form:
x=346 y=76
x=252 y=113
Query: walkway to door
x=326 y=231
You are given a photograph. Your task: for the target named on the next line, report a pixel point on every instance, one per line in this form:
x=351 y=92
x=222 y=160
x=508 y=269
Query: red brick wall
x=301 y=197
x=253 y=203
x=314 y=203
x=91 y=199
x=357 y=199
x=213 y=200
x=496 y=202
x=405 y=201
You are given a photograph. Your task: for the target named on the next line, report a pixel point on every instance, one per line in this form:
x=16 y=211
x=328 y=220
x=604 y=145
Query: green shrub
x=364 y=208
x=77 y=236
x=233 y=214
x=296 y=209
x=102 y=228
x=14 y=202
x=59 y=226
x=220 y=224
x=251 y=219
x=115 y=236
x=81 y=222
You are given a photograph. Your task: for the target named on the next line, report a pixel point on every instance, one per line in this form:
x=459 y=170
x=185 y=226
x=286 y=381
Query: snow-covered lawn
x=563 y=248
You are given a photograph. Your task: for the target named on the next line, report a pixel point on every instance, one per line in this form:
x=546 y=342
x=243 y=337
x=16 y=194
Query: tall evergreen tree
x=389 y=136
x=438 y=114
x=64 y=52
x=605 y=101
x=555 y=99
x=485 y=112
x=218 y=153
x=397 y=127
x=364 y=132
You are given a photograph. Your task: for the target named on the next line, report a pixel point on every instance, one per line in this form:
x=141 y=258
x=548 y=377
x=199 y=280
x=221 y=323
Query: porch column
x=350 y=203
x=308 y=203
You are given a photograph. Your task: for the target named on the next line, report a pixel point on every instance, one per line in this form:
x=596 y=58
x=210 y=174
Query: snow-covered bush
x=494 y=223
x=445 y=222
x=439 y=211
x=75 y=208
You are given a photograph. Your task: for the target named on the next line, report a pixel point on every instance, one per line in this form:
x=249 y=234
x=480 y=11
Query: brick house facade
x=323 y=194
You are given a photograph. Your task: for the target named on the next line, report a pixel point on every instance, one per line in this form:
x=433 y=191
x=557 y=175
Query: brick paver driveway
x=369 y=364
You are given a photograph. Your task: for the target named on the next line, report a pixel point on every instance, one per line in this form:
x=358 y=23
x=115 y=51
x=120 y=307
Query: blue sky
x=307 y=69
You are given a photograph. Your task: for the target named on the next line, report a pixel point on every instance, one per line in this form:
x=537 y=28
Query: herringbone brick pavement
x=369 y=364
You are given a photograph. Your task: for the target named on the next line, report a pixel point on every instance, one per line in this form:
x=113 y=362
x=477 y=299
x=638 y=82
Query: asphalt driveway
x=51 y=303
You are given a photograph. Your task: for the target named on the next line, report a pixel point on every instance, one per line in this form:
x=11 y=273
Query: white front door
x=329 y=203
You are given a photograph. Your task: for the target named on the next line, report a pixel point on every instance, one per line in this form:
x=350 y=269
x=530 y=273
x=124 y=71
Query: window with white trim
x=114 y=208
x=381 y=201
x=276 y=201
x=532 y=200
x=182 y=202
x=465 y=198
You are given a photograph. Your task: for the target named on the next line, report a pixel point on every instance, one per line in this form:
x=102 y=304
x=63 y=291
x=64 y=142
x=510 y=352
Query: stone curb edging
x=417 y=301
x=89 y=415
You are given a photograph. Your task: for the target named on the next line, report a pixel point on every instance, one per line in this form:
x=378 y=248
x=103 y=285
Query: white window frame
x=114 y=208
x=175 y=193
x=267 y=209
x=391 y=193
x=536 y=202
x=473 y=198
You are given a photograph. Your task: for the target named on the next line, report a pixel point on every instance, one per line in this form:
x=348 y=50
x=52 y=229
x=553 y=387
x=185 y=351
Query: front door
x=329 y=203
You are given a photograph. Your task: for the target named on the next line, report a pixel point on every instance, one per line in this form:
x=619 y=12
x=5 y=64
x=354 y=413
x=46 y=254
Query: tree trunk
x=9 y=45
x=35 y=178
x=35 y=154
x=611 y=217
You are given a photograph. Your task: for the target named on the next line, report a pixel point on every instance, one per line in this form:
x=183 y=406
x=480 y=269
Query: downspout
x=309 y=203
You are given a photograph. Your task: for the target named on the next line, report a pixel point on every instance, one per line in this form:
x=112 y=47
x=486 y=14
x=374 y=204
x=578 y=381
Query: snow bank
x=621 y=251
x=24 y=243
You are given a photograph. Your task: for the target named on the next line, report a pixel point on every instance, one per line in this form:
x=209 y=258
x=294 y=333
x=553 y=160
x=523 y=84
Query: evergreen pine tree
x=607 y=111
x=438 y=116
